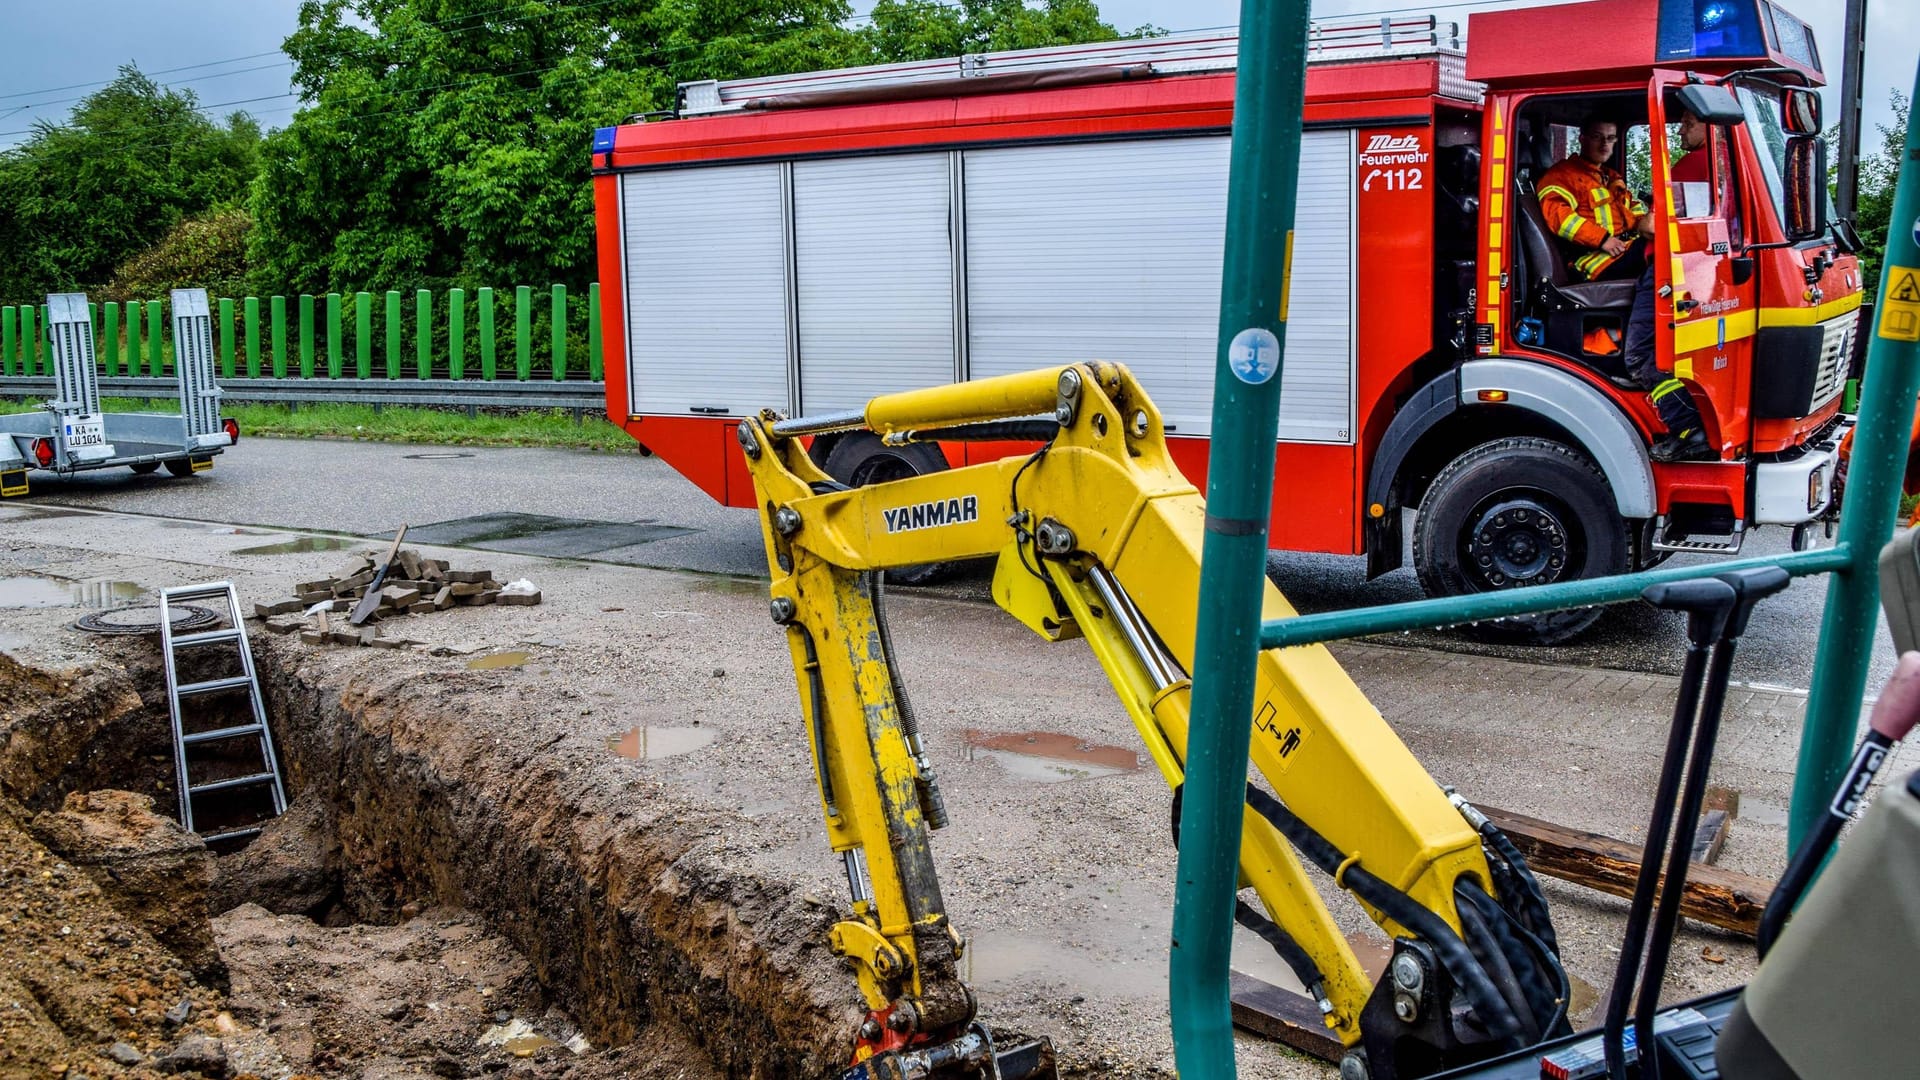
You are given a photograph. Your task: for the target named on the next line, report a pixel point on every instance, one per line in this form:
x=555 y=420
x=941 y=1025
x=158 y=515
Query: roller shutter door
x=1113 y=251
x=874 y=264
x=706 y=273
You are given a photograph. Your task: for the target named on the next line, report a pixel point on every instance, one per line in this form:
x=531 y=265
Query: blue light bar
x=1705 y=29
x=603 y=140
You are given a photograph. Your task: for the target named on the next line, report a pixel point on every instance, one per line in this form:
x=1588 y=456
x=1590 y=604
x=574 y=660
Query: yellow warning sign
x=1900 y=312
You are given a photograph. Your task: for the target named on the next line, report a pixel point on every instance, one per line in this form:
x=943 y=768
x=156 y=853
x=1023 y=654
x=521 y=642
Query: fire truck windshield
x=1769 y=142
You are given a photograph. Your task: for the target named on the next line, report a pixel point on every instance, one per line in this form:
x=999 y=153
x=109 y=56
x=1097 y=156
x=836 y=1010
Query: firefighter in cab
x=1587 y=205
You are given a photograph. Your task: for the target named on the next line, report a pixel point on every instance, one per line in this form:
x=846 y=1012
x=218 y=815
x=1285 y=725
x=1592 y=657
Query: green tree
x=1873 y=208
x=445 y=141
x=928 y=29
x=132 y=161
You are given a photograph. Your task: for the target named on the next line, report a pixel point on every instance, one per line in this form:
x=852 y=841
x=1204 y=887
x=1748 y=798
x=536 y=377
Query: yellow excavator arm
x=1098 y=535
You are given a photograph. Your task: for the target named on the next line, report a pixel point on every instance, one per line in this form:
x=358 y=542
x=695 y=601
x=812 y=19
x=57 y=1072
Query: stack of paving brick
x=413 y=586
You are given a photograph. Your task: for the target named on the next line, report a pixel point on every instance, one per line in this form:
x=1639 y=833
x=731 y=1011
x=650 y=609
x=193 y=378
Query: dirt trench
x=433 y=886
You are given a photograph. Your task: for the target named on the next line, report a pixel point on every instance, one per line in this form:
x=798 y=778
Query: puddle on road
x=996 y=960
x=1049 y=757
x=39 y=592
x=304 y=545
x=498 y=660
x=35 y=513
x=646 y=742
x=216 y=530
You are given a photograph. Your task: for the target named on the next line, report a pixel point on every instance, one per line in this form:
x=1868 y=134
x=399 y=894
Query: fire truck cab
x=808 y=242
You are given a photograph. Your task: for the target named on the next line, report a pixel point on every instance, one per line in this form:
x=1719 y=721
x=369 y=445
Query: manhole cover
x=146 y=620
x=436 y=457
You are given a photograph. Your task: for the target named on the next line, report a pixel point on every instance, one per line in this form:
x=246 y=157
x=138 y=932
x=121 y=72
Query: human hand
x=1899 y=704
x=1614 y=246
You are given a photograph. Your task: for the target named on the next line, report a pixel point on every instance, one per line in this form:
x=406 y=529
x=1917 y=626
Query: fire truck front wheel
x=859 y=459
x=1518 y=512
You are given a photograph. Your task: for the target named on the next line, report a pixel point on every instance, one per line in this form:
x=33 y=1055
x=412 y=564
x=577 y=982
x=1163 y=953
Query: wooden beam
x=1724 y=898
x=1266 y=1009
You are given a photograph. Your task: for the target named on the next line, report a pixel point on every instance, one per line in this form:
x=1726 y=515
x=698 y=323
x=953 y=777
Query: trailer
x=71 y=433
x=806 y=242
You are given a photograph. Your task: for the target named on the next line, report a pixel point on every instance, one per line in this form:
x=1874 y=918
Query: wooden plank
x=1724 y=898
x=1282 y=1015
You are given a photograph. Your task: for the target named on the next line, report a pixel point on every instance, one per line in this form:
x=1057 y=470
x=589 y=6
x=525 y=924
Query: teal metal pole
x=1449 y=610
x=1262 y=180
x=1880 y=446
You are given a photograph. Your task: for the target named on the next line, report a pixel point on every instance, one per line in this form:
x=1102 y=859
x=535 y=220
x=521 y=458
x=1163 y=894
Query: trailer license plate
x=85 y=432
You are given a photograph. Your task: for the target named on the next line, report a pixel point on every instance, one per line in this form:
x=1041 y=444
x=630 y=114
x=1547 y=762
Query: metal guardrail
x=470 y=393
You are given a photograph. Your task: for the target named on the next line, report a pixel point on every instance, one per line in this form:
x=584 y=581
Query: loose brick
x=312 y=637
x=462 y=589
x=443 y=599
x=421 y=607
x=470 y=576
x=519 y=599
x=398 y=596
x=278 y=607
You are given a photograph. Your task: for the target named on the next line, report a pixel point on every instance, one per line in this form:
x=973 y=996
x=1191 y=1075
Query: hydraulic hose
x=817 y=696
x=1486 y=999
x=926 y=785
x=1246 y=915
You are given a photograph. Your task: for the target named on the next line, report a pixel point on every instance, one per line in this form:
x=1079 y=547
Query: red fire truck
x=807 y=242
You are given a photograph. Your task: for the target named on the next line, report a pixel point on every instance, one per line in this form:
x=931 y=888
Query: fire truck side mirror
x=1712 y=103
x=1800 y=111
x=1806 y=187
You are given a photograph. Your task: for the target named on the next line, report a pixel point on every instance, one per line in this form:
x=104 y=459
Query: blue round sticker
x=1254 y=355
x=1916 y=231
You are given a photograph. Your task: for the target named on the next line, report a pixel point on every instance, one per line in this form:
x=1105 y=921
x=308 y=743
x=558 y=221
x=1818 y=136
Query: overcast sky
x=226 y=51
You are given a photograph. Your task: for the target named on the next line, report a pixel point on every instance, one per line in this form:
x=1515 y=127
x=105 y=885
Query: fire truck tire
x=145 y=468
x=1515 y=512
x=860 y=458
x=179 y=467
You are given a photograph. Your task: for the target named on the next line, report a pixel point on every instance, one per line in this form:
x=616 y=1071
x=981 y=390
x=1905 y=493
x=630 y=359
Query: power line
x=163 y=71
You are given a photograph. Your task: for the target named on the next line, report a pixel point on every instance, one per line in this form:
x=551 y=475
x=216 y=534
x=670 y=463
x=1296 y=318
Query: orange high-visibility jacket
x=1585 y=204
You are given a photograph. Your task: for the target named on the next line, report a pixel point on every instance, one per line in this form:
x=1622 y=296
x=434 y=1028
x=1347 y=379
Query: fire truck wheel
x=1516 y=512
x=860 y=459
x=145 y=468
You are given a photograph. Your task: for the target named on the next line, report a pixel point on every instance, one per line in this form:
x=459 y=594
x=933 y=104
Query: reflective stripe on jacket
x=1584 y=204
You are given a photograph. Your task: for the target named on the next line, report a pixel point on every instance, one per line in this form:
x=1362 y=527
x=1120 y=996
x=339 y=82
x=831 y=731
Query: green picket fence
x=454 y=336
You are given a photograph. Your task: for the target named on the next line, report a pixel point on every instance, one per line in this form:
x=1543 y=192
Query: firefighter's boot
x=1685 y=440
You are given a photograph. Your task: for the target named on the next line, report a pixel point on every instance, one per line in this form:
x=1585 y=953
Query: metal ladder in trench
x=268 y=773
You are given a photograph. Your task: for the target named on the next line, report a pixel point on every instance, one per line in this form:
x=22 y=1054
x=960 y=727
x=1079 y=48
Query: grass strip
x=441 y=427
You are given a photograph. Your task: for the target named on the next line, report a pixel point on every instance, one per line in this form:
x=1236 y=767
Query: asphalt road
x=627 y=509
